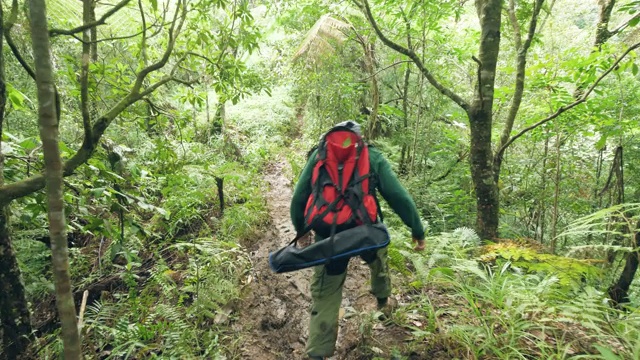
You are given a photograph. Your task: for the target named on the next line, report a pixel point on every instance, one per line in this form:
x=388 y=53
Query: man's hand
x=419 y=244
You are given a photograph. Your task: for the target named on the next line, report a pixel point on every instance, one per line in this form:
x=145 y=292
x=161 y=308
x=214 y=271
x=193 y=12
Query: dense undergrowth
x=162 y=261
x=164 y=277
x=507 y=300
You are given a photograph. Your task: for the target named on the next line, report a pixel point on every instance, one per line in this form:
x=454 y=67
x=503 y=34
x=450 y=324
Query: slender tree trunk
x=369 y=62
x=405 y=110
x=481 y=117
x=556 y=195
x=88 y=16
x=14 y=313
x=619 y=292
x=616 y=191
x=221 y=113
x=91 y=18
x=522 y=48
x=542 y=207
x=49 y=134
x=412 y=156
x=419 y=114
x=207 y=111
x=597 y=197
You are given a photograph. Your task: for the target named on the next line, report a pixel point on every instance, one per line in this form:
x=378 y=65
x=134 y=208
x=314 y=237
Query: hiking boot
x=386 y=306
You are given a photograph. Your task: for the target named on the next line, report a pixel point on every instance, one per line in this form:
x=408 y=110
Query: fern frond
x=599 y=248
x=599 y=222
x=467 y=236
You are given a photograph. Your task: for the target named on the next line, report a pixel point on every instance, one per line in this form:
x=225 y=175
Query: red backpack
x=342 y=194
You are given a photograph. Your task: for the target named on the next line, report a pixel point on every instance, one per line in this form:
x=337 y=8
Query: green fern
x=569 y=271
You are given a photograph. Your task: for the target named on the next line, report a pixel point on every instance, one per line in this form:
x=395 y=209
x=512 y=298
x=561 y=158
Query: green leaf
x=64 y=149
x=634 y=21
x=154 y=5
x=97 y=192
x=116 y=248
x=602 y=142
x=29 y=144
x=607 y=353
x=634 y=67
x=443 y=270
x=15 y=97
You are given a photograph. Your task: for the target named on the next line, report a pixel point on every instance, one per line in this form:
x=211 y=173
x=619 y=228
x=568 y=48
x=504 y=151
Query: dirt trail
x=274 y=315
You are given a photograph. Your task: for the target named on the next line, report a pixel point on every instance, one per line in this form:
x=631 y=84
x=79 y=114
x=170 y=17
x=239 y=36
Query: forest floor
x=274 y=314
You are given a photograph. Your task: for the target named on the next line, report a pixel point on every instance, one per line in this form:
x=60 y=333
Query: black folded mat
x=348 y=243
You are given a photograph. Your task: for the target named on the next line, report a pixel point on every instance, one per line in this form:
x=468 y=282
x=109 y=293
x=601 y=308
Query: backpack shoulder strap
x=373 y=184
x=310 y=152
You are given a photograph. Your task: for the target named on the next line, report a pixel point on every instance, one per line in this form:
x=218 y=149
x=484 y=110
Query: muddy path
x=274 y=314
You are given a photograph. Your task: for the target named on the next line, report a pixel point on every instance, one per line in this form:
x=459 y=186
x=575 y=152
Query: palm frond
x=315 y=41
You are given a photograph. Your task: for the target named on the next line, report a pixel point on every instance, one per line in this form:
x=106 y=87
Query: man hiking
x=328 y=280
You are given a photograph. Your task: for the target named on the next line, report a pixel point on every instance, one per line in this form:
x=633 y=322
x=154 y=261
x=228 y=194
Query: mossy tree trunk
x=49 y=134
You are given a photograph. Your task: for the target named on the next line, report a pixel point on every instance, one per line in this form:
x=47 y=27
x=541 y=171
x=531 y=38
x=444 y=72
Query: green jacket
x=388 y=186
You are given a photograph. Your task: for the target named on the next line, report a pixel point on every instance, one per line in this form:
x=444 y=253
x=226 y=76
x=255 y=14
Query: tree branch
x=13 y=16
x=517 y=35
x=521 y=64
x=123 y=37
x=624 y=25
x=173 y=33
x=414 y=57
x=155 y=86
x=565 y=108
x=385 y=68
x=614 y=165
x=101 y=21
x=444 y=175
x=34 y=183
x=201 y=56
x=477 y=61
x=548 y=11
x=143 y=43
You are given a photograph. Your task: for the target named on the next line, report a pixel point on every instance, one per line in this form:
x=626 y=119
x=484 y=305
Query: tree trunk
x=615 y=188
x=481 y=117
x=602 y=28
x=556 y=194
x=369 y=61
x=220 y=186
x=88 y=16
x=542 y=207
x=619 y=291
x=49 y=134
x=416 y=129
x=481 y=159
x=14 y=313
x=405 y=124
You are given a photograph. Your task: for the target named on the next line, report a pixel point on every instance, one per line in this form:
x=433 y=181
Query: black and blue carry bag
x=345 y=244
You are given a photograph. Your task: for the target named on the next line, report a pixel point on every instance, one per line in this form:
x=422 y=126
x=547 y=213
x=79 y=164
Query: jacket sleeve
x=301 y=193
x=398 y=198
